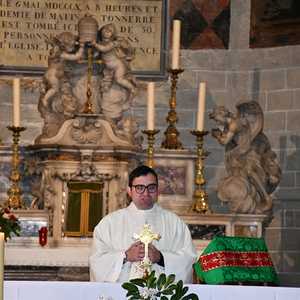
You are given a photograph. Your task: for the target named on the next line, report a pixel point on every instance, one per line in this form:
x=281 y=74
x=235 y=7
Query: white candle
x=1 y=264
x=16 y=102
x=150 y=102
x=201 y=106
x=176 y=44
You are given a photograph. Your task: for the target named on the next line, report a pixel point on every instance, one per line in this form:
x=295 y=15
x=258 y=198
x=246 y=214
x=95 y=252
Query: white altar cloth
x=49 y=290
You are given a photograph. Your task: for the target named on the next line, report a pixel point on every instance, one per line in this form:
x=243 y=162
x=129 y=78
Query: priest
x=117 y=256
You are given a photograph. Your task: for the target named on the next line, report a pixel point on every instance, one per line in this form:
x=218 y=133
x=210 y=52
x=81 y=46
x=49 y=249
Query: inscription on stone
x=25 y=27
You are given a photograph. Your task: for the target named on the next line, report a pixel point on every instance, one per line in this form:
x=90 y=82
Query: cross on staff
x=146 y=236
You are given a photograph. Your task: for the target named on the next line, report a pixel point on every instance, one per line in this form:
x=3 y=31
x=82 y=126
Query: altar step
x=46 y=273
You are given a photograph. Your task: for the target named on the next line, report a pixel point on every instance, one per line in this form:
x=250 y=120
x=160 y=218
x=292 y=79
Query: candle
x=16 y=102
x=150 y=101
x=176 y=44
x=201 y=106
x=1 y=264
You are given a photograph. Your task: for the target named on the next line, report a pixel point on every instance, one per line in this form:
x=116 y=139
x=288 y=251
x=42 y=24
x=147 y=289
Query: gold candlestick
x=88 y=108
x=150 y=150
x=14 y=192
x=171 y=134
x=200 y=196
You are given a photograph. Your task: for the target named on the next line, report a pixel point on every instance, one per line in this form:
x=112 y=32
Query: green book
x=236 y=260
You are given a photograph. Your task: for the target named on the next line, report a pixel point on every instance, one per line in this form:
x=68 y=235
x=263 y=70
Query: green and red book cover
x=236 y=260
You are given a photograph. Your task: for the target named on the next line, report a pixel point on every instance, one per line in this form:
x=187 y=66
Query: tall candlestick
x=16 y=102
x=201 y=106
x=200 y=195
x=1 y=264
x=176 y=44
x=150 y=110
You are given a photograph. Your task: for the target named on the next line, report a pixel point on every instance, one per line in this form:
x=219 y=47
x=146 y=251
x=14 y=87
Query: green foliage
x=9 y=224
x=151 y=288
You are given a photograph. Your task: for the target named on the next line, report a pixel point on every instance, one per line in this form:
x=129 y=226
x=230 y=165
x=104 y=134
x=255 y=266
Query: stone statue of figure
x=252 y=170
x=116 y=53
x=74 y=79
x=63 y=47
x=57 y=101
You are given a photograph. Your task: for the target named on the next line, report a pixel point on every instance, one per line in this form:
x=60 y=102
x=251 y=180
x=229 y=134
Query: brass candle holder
x=14 y=192
x=88 y=107
x=150 y=150
x=171 y=134
x=200 y=196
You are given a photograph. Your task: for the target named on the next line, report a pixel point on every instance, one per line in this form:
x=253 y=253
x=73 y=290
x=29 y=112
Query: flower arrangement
x=9 y=223
x=152 y=288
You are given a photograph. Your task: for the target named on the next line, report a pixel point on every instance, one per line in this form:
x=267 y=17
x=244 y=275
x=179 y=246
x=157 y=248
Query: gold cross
x=146 y=236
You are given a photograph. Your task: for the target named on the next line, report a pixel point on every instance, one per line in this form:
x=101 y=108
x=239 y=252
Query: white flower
x=5 y=216
x=147 y=293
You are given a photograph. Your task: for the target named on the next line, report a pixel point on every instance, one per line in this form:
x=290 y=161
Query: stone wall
x=270 y=76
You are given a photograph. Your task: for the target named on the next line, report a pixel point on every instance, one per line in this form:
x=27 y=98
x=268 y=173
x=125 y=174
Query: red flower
x=12 y=217
x=9 y=223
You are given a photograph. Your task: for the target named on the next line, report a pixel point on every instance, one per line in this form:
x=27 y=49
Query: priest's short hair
x=141 y=170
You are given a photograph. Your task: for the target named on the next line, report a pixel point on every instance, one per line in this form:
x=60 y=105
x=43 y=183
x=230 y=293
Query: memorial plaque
x=26 y=26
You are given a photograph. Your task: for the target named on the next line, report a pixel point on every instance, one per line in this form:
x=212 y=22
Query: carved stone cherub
x=63 y=47
x=252 y=169
x=115 y=54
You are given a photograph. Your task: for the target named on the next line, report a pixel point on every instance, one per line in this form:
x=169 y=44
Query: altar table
x=49 y=290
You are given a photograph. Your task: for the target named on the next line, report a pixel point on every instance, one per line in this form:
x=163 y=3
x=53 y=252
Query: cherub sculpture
x=63 y=47
x=252 y=169
x=116 y=53
x=77 y=83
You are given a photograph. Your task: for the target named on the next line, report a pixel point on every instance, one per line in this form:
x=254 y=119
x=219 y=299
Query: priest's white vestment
x=114 y=235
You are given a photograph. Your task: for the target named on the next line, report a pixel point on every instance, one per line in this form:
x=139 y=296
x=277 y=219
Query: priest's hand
x=155 y=255
x=135 y=252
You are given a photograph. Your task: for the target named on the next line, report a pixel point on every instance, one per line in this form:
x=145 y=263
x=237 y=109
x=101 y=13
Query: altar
x=29 y=290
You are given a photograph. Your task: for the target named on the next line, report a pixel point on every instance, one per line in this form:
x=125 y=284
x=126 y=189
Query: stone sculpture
x=57 y=101
x=93 y=67
x=251 y=166
x=116 y=55
x=62 y=50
